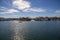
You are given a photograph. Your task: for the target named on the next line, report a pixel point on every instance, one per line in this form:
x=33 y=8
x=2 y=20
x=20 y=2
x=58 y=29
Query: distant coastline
x=31 y=19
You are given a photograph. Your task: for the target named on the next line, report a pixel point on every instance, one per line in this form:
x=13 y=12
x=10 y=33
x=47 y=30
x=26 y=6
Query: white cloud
x=57 y=11
x=3 y=8
x=11 y=11
x=21 y=4
x=6 y=10
x=25 y=6
x=34 y=10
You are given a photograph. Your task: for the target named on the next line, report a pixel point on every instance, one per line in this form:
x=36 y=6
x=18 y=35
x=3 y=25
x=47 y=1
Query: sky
x=29 y=8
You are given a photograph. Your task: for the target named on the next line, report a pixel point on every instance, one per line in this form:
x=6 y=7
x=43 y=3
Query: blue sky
x=29 y=8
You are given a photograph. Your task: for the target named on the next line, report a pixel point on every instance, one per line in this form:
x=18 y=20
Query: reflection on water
x=43 y=30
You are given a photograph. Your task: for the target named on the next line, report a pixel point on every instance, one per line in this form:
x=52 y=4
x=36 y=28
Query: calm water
x=43 y=30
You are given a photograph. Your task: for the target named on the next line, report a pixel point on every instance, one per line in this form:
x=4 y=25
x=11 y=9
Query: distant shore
x=31 y=19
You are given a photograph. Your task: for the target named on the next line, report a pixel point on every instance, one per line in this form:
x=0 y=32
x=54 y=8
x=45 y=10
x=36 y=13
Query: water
x=41 y=30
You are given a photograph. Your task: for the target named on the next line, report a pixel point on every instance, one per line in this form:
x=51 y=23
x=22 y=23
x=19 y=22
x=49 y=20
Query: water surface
x=31 y=30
